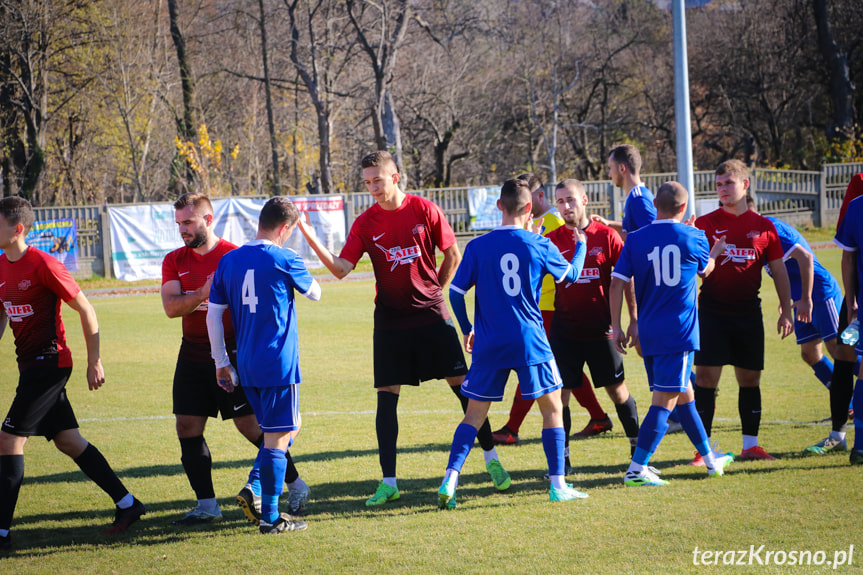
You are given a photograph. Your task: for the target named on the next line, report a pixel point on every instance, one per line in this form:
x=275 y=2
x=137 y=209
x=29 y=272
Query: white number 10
x=666 y=267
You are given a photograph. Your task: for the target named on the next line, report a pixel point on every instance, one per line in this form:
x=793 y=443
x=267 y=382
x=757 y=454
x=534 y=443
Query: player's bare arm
x=177 y=304
x=90 y=326
x=785 y=325
x=468 y=342
x=849 y=282
x=339 y=267
x=610 y=223
x=805 y=261
x=715 y=252
x=632 y=307
x=615 y=303
x=451 y=259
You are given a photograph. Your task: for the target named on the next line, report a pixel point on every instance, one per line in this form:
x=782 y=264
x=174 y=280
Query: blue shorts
x=669 y=372
x=824 y=324
x=276 y=408
x=534 y=380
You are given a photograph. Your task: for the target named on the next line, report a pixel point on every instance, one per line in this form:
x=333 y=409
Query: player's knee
x=70 y=443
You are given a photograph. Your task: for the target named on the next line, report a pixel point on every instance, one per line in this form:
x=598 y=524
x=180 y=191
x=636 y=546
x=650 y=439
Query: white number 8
x=511 y=279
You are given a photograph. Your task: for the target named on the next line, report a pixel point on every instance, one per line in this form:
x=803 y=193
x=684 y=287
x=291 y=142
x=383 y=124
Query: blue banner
x=58 y=238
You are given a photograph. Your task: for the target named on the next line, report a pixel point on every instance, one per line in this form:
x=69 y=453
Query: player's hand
x=785 y=326
x=468 y=342
x=598 y=218
x=719 y=247
x=620 y=340
x=632 y=334
x=306 y=228
x=690 y=221
x=803 y=310
x=204 y=290
x=535 y=226
x=95 y=375
x=578 y=235
x=226 y=378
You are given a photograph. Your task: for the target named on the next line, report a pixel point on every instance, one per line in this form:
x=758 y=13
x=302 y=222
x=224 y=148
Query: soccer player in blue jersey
x=506 y=266
x=663 y=259
x=256 y=282
x=849 y=236
x=624 y=167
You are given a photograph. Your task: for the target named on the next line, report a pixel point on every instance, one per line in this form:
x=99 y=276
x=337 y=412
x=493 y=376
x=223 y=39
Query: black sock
x=96 y=467
x=387 y=428
x=198 y=464
x=627 y=412
x=291 y=473
x=567 y=423
x=483 y=434
x=705 y=405
x=841 y=390
x=11 y=476
x=749 y=406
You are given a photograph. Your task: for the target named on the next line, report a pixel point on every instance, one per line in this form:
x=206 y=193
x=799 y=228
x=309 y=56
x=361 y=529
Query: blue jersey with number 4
x=257 y=283
x=663 y=259
x=507 y=266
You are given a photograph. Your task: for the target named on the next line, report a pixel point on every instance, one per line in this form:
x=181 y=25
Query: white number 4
x=249 y=297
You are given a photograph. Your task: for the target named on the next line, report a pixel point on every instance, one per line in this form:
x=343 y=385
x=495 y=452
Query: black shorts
x=197 y=393
x=40 y=406
x=407 y=357
x=843 y=317
x=728 y=339
x=603 y=359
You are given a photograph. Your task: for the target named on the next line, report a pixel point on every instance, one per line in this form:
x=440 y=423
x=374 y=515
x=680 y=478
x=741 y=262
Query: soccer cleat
x=298 y=499
x=825 y=446
x=383 y=494
x=504 y=436
x=284 y=523
x=647 y=477
x=856 y=457
x=719 y=465
x=446 y=495
x=567 y=493
x=250 y=504
x=698 y=461
x=123 y=518
x=756 y=453
x=594 y=427
x=198 y=516
x=499 y=476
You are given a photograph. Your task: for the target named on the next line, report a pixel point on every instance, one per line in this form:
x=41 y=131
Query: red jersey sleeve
x=854 y=191
x=774 y=249
x=169 y=268
x=615 y=245
x=353 y=248
x=57 y=278
x=442 y=232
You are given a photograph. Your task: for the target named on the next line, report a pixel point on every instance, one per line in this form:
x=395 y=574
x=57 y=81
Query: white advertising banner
x=482 y=206
x=142 y=235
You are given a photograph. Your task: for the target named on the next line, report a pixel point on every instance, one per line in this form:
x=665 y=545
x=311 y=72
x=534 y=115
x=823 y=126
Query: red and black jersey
x=192 y=270
x=735 y=282
x=581 y=309
x=401 y=244
x=854 y=191
x=32 y=290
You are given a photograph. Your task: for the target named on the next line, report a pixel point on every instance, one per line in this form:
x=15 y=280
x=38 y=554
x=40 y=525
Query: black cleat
x=284 y=523
x=123 y=518
x=250 y=504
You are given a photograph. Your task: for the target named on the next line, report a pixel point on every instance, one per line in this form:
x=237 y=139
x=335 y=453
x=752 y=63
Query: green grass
x=795 y=503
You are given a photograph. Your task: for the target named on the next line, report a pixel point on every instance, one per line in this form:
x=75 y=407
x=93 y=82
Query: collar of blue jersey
x=665 y=221
x=260 y=242
x=508 y=227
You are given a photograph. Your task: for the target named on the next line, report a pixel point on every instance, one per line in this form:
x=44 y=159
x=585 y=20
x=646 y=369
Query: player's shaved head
x=574 y=186
x=16 y=210
x=670 y=197
x=514 y=196
x=276 y=212
x=380 y=159
x=532 y=180
x=200 y=201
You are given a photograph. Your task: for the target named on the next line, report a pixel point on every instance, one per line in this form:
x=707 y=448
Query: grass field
x=794 y=504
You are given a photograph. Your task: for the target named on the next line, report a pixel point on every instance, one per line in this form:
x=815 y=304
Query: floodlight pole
x=681 y=104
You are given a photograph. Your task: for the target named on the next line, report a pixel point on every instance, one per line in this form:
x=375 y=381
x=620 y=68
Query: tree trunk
x=274 y=144
x=188 y=126
x=841 y=88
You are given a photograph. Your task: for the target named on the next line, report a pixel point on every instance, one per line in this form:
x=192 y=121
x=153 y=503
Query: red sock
x=518 y=411
x=587 y=399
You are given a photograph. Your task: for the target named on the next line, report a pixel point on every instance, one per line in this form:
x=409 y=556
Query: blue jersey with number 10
x=663 y=258
x=257 y=283
x=507 y=266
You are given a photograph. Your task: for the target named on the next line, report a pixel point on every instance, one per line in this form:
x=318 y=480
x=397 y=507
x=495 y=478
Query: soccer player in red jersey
x=581 y=327
x=32 y=287
x=729 y=308
x=414 y=338
x=187 y=274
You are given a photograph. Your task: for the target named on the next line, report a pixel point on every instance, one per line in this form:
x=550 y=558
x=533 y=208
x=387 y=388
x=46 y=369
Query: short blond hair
x=733 y=168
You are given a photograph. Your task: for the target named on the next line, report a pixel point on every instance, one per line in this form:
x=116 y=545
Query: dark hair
x=532 y=180
x=514 y=196
x=16 y=210
x=194 y=199
x=670 y=197
x=627 y=155
x=277 y=211
x=380 y=158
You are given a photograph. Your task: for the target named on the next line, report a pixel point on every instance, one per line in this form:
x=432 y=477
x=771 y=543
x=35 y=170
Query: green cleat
x=446 y=495
x=719 y=465
x=825 y=446
x=499 y=476
x=644 y=478
x=565 y=494
x=383 y=494
x=856 y=457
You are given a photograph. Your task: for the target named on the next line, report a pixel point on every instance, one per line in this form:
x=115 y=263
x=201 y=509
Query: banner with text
x=482 y=206
x=58 y=238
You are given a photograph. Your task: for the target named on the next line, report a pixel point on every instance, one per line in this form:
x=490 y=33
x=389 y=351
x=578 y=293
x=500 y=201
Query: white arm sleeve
x=314 y=292
x=216 y=331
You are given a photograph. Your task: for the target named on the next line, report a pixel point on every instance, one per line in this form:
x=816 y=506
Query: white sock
x=297 y=483
x=210 y=505
x=634 y=467
x=451 y=473
x=750 y=441
x=710 y=460
x=489 y=455
x=126 y=502
x=840 y=435
x=391 y=481
x=557 y=481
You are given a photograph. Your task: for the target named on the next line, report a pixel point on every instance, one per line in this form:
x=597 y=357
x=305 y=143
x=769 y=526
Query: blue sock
x=652 y=431
x=674 y=416
x=273 y=464
x=462 y=440
x=694 y=428
x=823 y=370
x=858 y=415
x=255 y=473
x=553 y=441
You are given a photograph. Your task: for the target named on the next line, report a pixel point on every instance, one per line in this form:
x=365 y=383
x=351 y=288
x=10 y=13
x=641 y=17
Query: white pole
x=681 y=104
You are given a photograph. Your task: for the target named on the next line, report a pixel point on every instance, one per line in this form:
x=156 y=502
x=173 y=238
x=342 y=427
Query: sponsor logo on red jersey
x=588 y=274
x=754 y=234
x=24 y=284
x=595 y=251
x=738 y=255
x=399 y=255
x=17 y=312
x=419 y=229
